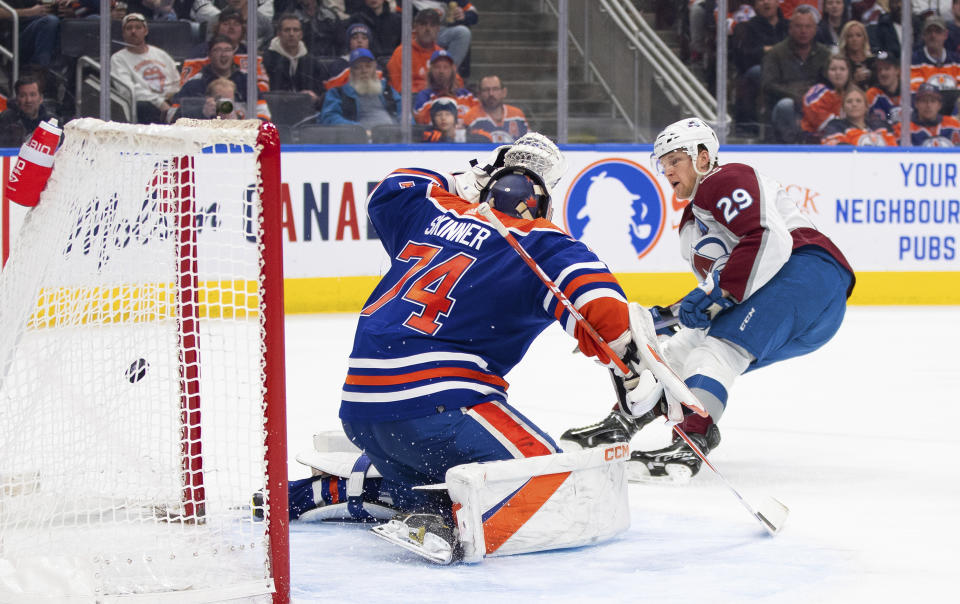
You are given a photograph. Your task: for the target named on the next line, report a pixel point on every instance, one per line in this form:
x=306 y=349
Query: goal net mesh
x=132 y=384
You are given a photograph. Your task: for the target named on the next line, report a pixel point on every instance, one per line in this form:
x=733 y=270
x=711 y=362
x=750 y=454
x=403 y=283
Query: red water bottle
x=33 y=166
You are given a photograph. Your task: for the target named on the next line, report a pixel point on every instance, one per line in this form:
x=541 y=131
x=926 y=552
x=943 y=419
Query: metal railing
x=13 y=55
x=118 y=90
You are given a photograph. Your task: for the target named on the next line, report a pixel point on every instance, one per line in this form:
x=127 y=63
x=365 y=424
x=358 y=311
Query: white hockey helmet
x=687 y=134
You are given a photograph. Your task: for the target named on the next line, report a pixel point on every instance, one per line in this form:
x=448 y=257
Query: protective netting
x=131 y=370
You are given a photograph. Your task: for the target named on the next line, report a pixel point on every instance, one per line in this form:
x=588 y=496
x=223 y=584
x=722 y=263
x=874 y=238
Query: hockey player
x=773 y=287
x=456 y=311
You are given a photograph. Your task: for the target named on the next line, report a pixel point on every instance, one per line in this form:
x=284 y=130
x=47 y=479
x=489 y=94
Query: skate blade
x=675 y=474
x=397 y=536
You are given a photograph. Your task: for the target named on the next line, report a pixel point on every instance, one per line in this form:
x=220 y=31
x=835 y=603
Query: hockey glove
x=471 y=182
x=703 y=303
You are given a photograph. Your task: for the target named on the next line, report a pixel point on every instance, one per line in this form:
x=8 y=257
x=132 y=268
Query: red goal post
x=142 y=370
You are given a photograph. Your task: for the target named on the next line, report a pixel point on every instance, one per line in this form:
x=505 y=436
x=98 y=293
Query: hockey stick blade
x=772 y=515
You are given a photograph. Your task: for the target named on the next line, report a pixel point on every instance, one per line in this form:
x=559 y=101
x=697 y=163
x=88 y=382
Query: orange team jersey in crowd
x=342 y=78
x=787 y=6
x=513 y=126
x=820 y=105
x=466 y=103
x=944 y=77
x=418 y=66
x=859 y=137
x=193 y=67
x=944 y=134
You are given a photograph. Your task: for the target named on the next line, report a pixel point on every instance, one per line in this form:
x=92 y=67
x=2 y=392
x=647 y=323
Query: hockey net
x=141 y=371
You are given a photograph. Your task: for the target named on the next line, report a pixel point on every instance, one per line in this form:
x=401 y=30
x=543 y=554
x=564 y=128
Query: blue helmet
x=519 y=192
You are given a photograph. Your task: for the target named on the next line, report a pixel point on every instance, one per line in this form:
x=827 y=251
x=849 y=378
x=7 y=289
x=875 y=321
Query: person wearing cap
x=442 y=78
x=426 y=26
x=928 y=128
x=147 y=69
x=883 y=100
x=229 y=24
x=502 y=122
x=209 y=12
x=385 y=26
x=358 y=36
x=366 y=99
x=288 y=63
x=446 y=127
x=932 y=63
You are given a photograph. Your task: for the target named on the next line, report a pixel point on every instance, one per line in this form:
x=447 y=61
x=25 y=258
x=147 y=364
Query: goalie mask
x=519 y=192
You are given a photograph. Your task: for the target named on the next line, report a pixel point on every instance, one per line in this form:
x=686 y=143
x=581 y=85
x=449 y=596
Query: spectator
x=933 y=63
x=426 y=25
x=790 y=68
x=924 y=8
x=867 y=11
x=149 y=70
x=454 y=34
x=855 y=45
x=445 y=126
x=836 y=13
x=220 y=64
x=18 y=122
x=358 y=36
x=857 y=127
x=229 y=24
x=231 y=27
x=824 y=101
x=883 y=100
x=290 y=67
x=39 y=31
x=208 y=11
x=322 y=28
x=751 y=40
x=155 y=10
x=953 y=28
x=221 y=101
x=928 y=128
x=366 y=99
x=503 y=123
x=442 y=77
x=885 y=33
x=384 y=24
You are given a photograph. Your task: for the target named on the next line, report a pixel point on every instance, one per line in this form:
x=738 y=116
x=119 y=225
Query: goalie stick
x=773 y=514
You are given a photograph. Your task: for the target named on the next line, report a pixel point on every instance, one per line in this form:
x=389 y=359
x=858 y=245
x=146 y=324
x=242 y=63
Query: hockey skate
x=615 y=428
x=427 y=535
x=675 y=463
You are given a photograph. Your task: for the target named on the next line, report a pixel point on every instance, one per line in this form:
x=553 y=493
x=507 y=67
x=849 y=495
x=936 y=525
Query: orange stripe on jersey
x=580 y=281
x=425 y=374
x=334 y=491
x=506 y=521
x=519 y=435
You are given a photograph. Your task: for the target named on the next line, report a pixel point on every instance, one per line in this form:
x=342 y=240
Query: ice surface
x=860 y=439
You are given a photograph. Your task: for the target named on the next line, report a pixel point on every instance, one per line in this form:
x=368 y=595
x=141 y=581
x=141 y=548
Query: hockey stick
x=773 y=514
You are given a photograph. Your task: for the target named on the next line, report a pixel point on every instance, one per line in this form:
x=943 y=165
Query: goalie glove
x=638 y=393
x=471 y=182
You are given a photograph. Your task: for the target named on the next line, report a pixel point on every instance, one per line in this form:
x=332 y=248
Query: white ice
x=860 y=439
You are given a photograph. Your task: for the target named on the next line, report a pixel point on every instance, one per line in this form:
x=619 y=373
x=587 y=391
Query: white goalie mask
x=537 y=153
x=687 y=134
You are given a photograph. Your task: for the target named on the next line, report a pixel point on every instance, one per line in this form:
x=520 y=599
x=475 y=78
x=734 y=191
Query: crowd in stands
x=800 y=68
x=341 y=58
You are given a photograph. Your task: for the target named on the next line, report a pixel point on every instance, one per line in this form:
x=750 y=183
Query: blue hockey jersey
x=459 y=307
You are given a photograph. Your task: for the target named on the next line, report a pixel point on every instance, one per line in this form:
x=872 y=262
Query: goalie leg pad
x=540 y=503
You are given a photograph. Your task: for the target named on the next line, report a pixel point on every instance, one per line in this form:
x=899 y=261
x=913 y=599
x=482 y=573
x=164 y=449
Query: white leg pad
x=540 y=503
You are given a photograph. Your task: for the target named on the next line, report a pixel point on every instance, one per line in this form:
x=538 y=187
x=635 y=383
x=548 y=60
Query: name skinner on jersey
x=467 y=233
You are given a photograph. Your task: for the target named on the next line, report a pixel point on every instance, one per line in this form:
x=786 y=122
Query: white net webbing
x=131 y=370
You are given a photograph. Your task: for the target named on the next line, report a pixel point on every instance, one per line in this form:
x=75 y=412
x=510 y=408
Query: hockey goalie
x=459 y=472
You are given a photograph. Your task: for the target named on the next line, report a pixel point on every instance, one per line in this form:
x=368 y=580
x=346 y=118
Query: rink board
x=894 y=213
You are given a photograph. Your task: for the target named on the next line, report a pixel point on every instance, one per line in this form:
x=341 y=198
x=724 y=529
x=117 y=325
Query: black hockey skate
x=674 y=463
x=615 y=428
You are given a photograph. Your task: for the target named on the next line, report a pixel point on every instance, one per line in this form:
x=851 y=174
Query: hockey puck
x=137 y=371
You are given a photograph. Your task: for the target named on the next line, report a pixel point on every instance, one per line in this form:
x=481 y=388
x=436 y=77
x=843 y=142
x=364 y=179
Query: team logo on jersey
x=708 y=254
x=943 y=81
x=616 y=207
x=937 y=141
x=871 y=139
